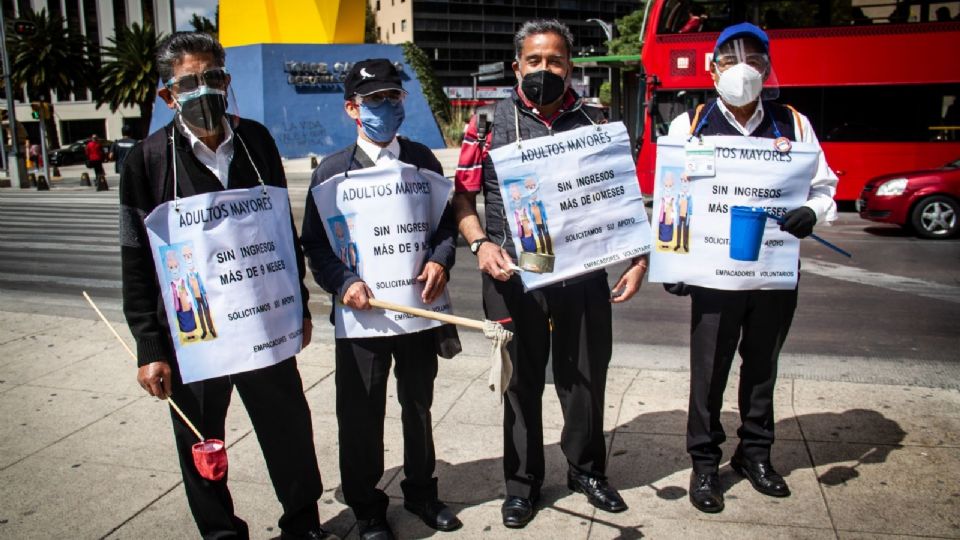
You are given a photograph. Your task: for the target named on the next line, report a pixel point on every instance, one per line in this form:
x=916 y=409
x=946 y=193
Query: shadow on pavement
x=485 y=478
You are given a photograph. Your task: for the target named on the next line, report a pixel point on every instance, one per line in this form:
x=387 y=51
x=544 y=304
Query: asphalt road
x=895 y=303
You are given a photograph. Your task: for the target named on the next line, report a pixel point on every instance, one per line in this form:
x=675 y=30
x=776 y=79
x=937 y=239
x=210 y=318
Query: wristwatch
x=475 y=245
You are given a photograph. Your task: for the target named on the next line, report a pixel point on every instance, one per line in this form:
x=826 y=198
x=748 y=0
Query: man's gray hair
x=178 y=44
x=542 y=26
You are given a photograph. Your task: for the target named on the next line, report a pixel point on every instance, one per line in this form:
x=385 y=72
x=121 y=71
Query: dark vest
x=716 y=124
x=504 y=132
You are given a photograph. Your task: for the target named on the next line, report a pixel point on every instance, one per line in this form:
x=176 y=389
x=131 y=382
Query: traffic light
x=24 y=28
x=40 y=109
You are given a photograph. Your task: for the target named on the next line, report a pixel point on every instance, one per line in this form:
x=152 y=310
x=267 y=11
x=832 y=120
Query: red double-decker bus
x=879 y=79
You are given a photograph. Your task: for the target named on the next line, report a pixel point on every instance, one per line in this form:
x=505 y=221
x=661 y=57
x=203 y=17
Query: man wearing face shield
x=755 y=321
x=200 y=144
x=373 y=99
x=573 y=317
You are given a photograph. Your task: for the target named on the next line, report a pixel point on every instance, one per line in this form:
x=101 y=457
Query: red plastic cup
x=210 y=459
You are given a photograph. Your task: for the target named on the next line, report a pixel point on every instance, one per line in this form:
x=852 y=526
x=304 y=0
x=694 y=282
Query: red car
x=928 y=202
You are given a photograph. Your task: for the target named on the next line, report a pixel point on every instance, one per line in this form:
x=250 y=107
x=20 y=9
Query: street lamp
x=607 y=28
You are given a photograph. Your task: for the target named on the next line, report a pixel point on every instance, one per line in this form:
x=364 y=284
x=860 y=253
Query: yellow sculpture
x=248 y=22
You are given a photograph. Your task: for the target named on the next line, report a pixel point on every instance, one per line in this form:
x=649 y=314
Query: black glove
x=799 y=222
x=679 y=289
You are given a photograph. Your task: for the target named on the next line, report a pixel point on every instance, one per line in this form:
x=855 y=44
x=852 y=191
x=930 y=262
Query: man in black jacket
x=374 y=98
x=208 y=161
x=574 y=316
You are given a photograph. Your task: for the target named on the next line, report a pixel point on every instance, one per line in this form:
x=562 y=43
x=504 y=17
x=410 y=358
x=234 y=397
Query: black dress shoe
x=762 y=475
x=597 y=490
x=516 y=512
x=374 y=529
x=435 y=515
x=705 y=492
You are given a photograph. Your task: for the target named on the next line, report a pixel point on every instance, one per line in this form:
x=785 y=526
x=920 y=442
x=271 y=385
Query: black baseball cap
x=369 y=76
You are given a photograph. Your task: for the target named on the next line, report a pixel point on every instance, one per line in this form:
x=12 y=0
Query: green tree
x=203 y=24
x=369 y=25
x=432 y=90
x=129 y=74
x=54 y=59
x=628 y=35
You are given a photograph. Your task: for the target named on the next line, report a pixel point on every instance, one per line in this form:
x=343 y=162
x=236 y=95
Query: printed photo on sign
x=676 y=208
x=346 y=249
x=530 y=218
x=194 y=321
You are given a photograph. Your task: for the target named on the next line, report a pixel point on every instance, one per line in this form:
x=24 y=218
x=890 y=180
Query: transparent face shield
x=736 y=56
x=204 y=102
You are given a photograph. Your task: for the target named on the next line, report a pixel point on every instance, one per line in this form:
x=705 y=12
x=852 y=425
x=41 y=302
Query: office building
x=76 y=113
x=459 y=35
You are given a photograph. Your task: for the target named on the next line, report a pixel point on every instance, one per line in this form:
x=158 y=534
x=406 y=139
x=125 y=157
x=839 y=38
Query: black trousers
x=581 y=338
x=274 y=399
x=363 y=365
x=757 y=322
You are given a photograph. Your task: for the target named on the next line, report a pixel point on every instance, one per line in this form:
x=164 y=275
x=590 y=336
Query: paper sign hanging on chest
x=692 y=214
x=228 y=275
x=572 y=202
x=380 y=222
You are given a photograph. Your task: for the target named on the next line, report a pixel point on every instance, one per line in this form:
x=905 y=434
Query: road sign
x=495 y=67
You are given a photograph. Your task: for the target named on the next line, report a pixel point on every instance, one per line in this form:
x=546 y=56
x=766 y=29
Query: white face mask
x=740 y=84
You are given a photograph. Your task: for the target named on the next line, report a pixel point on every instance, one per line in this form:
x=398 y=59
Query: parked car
x=75 y=152
x=926 y=201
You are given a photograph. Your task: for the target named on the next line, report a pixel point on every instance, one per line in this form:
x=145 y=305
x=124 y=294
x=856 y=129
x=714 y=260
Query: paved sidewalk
x=84 y=453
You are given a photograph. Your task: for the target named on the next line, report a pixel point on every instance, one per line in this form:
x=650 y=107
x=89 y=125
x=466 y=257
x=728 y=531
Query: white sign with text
x=380 y=221
x=228 y=274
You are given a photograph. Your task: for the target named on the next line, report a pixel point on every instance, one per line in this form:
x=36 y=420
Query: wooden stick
x=134 y=356
x=443 y=317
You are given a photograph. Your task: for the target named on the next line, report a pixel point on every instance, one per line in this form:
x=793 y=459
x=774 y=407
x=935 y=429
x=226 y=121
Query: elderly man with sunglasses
x=755 y=322
x=199 y=145
x=373 y=99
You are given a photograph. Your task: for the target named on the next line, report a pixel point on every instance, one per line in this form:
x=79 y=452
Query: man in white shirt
x=755 y=321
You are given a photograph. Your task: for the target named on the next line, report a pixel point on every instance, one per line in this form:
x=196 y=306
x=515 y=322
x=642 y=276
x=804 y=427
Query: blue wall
x=309 y=120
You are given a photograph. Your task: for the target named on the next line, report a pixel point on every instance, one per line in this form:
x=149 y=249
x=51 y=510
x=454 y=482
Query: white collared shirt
x=823 y=185
x=218 y=162
x=376 y=153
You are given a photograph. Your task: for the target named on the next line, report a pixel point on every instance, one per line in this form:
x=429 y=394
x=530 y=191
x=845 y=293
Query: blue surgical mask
x=381 y=123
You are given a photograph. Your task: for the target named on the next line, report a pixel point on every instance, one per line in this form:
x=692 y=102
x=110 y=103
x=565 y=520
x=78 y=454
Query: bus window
x=690 y=16
x=890 y=113
x=669 y=105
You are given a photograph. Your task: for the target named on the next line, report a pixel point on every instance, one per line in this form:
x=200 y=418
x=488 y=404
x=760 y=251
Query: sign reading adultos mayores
x=380 y=222
x=572 y=199
x=227 y=270
x=691 y=214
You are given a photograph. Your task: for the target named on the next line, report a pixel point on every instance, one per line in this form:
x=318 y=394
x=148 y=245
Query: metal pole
x=17 y=171
x=43 y=141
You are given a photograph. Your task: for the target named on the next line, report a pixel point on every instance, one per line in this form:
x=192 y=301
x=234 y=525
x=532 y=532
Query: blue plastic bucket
x=746 y=232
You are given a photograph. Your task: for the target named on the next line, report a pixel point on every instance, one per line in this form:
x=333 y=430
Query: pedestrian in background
x=95 y=156
x=121 y=147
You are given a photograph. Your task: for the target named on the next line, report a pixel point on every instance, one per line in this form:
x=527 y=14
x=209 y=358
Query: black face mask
x=205 y=112
x=542 y=87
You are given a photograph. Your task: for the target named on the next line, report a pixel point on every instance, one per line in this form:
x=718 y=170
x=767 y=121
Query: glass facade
x=460 y=34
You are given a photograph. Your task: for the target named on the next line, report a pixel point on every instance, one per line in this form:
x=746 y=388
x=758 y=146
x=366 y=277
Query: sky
x=185 y=9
